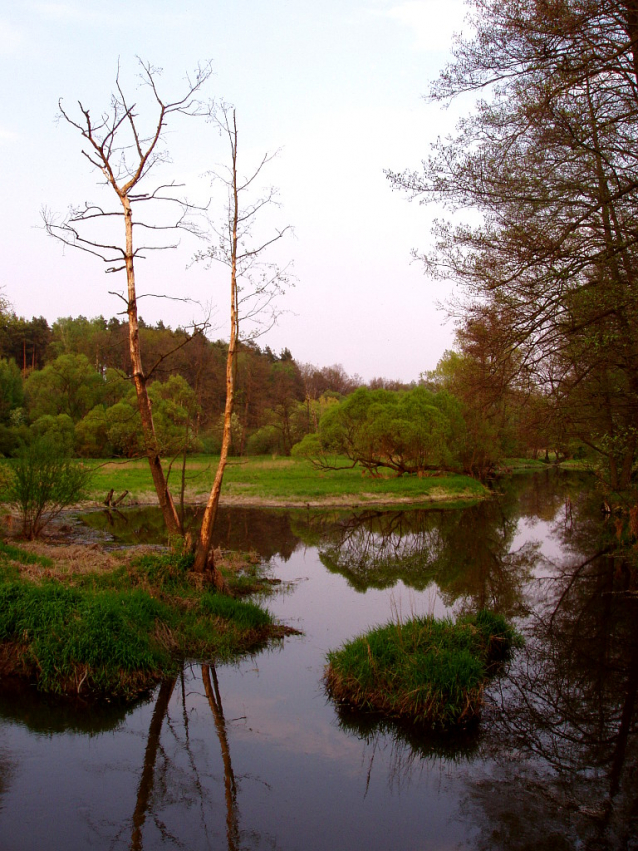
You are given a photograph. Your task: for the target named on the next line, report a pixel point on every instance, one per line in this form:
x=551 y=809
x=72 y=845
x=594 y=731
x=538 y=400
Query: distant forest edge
x=71 y=382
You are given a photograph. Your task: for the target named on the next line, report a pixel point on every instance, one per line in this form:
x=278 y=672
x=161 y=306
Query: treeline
x=71 y=381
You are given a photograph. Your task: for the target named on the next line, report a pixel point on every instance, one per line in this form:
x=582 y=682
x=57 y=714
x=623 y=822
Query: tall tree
x=126 y=151
x=254 y=286
x=550 y=162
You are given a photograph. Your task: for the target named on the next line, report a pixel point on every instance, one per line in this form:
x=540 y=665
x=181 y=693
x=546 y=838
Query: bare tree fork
x=254 y=286
x=118 y=146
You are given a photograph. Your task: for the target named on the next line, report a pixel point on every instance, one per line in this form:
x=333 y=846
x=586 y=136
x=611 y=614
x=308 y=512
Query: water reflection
x=552 y=765
x=471 y=554
x=163 y=783
x=268 y=533
x=562 y=731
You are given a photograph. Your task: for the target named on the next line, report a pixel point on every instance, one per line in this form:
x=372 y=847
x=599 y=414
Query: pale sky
x=335 y=85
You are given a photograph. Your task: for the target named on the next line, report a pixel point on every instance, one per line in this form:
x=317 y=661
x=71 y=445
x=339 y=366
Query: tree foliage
x=549 y=160
x=409 y=432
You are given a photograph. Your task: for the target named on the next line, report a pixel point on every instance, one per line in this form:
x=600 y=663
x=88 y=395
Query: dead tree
x=120 y=146
x=254 y=286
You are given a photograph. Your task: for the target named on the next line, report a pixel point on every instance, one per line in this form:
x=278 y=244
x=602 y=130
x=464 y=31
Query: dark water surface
x=256 y=756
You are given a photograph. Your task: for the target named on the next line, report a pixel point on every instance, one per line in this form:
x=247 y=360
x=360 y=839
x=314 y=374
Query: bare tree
x=254 y=286
x=126 y=151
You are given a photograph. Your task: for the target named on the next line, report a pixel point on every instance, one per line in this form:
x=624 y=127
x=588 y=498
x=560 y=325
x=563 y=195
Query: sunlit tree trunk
x=204 y=561
x=151 y=448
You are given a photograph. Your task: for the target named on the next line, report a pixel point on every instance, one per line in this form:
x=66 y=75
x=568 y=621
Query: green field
x=280 y=481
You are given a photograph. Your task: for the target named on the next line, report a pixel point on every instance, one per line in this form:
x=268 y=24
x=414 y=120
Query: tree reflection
x=166 y=781
x=147 y=778
x=209 y=676
x=568 y=713
x=467 y=553
x=554 y=761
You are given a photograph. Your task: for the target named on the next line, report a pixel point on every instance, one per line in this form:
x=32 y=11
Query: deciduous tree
x=254 y=286
x=126 y=150
x=549 y=161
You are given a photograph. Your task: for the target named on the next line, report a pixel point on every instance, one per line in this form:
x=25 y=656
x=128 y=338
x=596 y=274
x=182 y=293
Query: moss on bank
x=118 y=630
x=424 y=670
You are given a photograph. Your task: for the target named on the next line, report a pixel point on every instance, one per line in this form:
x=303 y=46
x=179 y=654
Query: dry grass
x=72 y=560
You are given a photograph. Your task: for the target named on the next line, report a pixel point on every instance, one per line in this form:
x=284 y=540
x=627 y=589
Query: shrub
x=44 y=480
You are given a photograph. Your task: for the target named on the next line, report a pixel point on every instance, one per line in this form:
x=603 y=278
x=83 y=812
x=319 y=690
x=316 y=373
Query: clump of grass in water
x=118 y=633
x=424 y=670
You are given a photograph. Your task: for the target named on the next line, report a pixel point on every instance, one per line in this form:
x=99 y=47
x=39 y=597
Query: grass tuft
x=425 y=670
x=117 y=632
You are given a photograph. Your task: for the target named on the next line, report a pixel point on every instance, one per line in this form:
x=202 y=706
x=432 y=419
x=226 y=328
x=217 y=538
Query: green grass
x=22 y=556
x=535 y=464
x=289 y=480
x=424 y=670
x=119 y=631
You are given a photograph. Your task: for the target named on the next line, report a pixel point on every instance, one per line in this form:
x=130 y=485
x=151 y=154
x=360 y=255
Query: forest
x=70 y=382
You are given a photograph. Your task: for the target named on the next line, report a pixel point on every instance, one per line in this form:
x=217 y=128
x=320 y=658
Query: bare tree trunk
x=260 y=283
x=204 y=561
x=125 y=154
x=167 y=506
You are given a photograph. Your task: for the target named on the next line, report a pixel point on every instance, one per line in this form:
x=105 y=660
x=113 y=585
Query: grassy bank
x=283 y=482
x=424 y=670
x=116 y=627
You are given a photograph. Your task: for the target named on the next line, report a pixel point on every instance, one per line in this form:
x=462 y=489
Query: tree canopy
x=548 y=157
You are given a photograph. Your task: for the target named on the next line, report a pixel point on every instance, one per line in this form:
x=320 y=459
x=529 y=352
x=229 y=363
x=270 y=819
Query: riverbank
x=270 y=482
x=77 y=620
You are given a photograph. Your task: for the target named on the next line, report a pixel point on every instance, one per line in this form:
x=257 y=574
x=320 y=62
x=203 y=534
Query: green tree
x=11 y=389
x=58 y=430
x=44 y=480
x=405 y=432
x=69 y=385
x=549 y=161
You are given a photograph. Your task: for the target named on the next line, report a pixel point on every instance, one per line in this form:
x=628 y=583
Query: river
x=255 y=755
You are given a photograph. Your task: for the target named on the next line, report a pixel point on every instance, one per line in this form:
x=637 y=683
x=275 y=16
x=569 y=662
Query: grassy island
x=423 y=670
x=116 y=625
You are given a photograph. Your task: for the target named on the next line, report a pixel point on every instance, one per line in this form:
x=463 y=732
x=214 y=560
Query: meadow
x=279 y=481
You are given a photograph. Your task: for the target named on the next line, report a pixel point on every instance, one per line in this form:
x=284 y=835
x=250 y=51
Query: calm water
x=256 y=756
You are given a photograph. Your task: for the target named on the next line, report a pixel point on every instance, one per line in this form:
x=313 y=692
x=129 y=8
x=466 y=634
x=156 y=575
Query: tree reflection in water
x=209 y=676
x=468 y=554
x=562 y=731
x=163 y=782
x=554 y=761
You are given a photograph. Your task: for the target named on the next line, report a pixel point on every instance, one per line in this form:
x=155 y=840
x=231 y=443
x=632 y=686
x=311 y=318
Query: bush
x=44 y=480
x=265 y=441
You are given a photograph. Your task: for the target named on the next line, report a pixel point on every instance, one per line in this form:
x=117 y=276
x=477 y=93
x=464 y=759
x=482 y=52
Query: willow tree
x=254 y=285
x=548 y=158
x=127 y=150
